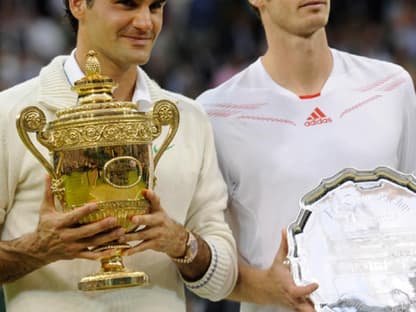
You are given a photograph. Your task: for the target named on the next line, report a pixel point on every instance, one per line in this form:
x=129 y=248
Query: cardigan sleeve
x=206 y=217
x=3 y=166
x=205 y=212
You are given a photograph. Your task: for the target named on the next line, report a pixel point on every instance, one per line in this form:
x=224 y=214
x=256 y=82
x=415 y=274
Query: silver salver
x=356 y=237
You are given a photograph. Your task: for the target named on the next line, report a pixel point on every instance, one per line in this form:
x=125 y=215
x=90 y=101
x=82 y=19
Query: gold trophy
x=101 y=152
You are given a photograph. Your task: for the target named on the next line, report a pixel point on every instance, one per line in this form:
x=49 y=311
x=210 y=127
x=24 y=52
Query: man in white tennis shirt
x=42 y=255
x=300 y=113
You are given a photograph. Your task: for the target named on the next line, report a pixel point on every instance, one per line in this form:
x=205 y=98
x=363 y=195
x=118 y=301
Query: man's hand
x=273 y=286
x=58 y=236
x=285 y=291
x=160 y=232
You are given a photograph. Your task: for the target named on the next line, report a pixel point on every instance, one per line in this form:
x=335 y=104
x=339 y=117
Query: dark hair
x=72 y=20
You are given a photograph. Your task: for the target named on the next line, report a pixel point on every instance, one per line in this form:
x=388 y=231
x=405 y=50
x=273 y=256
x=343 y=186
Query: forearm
x=247 y=288
x=17 y=258
x=198 y=267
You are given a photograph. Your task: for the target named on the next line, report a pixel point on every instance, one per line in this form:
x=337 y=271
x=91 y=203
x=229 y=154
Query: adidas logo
x=317 y=118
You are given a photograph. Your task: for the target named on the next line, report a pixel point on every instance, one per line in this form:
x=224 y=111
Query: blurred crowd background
x=204 y=42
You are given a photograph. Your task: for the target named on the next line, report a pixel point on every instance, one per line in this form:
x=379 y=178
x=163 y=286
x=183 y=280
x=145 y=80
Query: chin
x=137 y=59
x=142 y=61
x=314 y=25
x=140 y=57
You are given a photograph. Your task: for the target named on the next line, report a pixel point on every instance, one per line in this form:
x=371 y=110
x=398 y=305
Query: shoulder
x=372 y=74
x=17 y=89
x=27 y=93
x=184 y=103
x=191 y=112
x=19 y=96
x=367 y=66
x=245 y=80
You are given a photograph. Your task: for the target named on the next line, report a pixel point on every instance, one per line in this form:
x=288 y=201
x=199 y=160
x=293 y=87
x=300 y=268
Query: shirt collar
x=141 y=95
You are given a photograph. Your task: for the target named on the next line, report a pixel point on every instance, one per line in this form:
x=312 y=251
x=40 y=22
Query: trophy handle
x=165 y=113
x=32 y=119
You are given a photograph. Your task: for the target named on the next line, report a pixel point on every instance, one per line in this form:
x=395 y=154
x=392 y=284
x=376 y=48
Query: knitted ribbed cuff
x=220 y=278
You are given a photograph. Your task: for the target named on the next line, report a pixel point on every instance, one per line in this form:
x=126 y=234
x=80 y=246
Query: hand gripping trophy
x=101 y=152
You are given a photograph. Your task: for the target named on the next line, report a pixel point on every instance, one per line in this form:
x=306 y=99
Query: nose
x=142 y=19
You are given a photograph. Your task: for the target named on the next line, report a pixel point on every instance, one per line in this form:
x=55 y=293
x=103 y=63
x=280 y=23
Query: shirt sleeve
x=407 y=152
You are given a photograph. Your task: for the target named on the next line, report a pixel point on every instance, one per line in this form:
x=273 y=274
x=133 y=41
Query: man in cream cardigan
x=42 y=255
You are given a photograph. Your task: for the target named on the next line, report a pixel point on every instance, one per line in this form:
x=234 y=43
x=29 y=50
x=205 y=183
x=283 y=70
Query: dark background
x=203 y=43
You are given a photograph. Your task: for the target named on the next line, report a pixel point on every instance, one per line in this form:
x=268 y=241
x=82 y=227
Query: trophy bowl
x=101 y=152
x=355 y=236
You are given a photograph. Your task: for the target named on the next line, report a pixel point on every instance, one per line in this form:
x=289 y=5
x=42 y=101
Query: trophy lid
x=94 y=87
x=95 y=94
x=97 y=119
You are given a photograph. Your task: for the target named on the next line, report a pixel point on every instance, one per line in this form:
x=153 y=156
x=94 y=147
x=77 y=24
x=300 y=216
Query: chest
x=316 y=137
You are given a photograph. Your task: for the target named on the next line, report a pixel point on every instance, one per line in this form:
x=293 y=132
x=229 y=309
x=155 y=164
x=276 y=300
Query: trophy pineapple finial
x=94 y=87
x=92 y=65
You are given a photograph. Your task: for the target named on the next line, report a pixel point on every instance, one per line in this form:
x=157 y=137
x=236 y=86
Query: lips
x=138 y=39
x=312 y=3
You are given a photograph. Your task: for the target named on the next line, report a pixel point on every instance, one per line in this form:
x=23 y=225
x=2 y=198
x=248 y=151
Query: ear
x=77 y=7
x=255 y=3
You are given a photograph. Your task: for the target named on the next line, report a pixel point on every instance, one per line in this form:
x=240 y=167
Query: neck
x=125 y=77
x=301 y=65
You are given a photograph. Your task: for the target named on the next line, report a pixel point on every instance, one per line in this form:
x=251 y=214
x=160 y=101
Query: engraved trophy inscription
x=101 y=152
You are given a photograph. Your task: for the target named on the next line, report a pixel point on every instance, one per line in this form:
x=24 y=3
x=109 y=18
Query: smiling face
x=122 y=32
x=297 y=17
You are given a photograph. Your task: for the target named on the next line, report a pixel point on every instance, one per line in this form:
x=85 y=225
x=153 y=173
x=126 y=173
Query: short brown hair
x=72 y=20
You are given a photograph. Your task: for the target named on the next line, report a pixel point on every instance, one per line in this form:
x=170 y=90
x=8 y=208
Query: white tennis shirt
x=274 y=146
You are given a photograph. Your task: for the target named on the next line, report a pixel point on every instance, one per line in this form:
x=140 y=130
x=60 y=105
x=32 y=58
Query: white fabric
x=189 y=184
x=274 y=147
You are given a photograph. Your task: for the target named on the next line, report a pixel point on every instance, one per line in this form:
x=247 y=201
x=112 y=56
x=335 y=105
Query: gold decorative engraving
x=117 y=106
x=113 y=279
x=57 y=188
x=103 y=133
x=34 y=120
x=165 y=113
x=121 y=210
